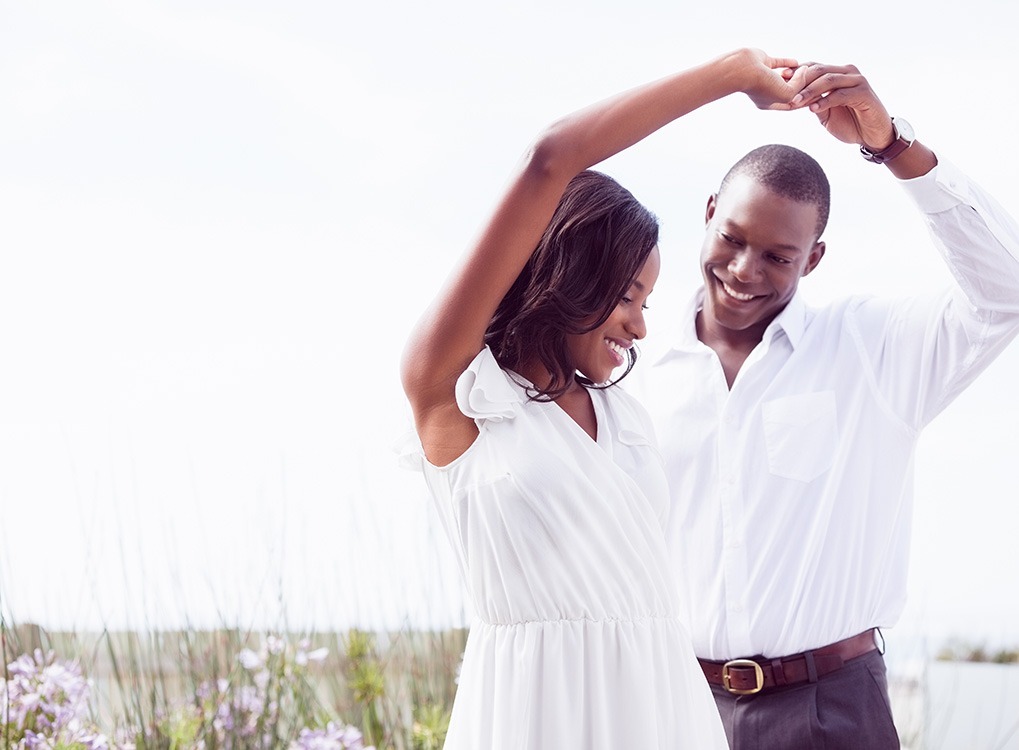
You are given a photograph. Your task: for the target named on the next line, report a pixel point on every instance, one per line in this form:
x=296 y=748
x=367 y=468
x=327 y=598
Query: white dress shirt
x=792 y=493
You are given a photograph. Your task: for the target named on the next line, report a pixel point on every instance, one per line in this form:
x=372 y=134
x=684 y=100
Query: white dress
x=560 y=542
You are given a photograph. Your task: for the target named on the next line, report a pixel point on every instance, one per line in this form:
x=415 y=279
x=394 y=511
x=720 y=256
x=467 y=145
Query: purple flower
x=331 y=737
x=249 y=659
x=303 y=657
x=46 y=704
x=274 y=644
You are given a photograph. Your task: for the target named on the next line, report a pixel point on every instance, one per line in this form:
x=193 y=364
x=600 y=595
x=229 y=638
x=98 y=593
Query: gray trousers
x=845 y=710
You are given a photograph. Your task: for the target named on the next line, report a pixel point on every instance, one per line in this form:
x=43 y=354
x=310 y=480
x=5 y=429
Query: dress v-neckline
x=600 y=436
x=600 y=433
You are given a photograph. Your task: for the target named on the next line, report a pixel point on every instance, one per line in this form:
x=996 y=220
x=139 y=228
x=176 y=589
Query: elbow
x=552 y=157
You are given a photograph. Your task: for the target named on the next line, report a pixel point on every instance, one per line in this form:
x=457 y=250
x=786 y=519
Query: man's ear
x=710 y=210
x=814 y=258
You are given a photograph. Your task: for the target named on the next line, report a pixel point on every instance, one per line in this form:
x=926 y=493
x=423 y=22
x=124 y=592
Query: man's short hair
x=788 y=172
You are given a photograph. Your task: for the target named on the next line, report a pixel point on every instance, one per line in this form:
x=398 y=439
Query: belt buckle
x=758 y=673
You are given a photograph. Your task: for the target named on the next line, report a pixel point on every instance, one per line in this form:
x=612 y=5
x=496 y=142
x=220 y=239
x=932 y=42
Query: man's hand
x=849 y=109
x=845 y=104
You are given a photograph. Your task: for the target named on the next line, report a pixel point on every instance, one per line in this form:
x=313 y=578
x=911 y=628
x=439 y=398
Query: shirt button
x=737 y=607
x=735 y=543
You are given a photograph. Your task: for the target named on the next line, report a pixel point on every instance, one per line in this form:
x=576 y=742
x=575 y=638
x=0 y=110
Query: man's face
x=757 y=245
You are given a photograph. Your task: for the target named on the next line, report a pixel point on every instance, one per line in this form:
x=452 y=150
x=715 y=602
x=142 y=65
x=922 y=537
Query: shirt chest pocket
x=801 y=434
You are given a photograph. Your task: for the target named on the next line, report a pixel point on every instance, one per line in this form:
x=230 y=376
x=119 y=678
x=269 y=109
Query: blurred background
x=218 y=221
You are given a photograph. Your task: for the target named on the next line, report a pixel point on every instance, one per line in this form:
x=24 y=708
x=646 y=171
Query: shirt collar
x=792 y=321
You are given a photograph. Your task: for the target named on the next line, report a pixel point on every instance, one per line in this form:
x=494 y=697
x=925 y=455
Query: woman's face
x=597 y=353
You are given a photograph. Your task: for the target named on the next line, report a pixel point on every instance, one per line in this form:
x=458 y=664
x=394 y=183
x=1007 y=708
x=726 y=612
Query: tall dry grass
x=244 y=689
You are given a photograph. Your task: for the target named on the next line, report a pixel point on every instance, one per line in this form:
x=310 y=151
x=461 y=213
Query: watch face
x=903 y=128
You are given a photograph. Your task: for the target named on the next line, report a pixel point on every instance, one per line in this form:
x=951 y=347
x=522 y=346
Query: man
x=789 y=432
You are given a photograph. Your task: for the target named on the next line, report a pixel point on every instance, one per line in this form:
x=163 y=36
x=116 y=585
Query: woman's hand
x=770 y=82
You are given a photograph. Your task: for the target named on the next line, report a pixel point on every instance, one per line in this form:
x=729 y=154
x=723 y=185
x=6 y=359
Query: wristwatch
x=903 y=133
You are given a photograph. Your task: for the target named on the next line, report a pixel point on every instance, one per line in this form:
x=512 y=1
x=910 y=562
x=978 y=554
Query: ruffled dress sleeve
x=484 y=392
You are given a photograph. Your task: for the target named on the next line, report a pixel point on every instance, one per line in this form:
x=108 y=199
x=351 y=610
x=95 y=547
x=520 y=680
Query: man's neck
x=717 y=336
x=731 y=346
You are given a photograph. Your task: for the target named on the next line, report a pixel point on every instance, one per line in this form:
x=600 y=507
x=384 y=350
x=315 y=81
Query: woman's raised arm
x=451 y=331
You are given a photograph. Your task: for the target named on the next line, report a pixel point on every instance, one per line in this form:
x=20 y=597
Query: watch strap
x=898 y=145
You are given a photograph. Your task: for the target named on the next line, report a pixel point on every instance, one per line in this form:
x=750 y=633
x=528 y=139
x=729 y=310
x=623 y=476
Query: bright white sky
x=219 y=219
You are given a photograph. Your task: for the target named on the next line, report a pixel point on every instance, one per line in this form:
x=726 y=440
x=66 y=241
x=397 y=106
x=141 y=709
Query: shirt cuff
x=942 y=188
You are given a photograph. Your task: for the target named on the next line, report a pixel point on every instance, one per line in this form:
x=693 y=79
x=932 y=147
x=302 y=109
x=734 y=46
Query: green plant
x=431 y=723
x=366 y=681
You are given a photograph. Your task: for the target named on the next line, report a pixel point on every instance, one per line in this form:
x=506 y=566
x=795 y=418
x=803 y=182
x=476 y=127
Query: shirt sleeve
x=977 y=237
x=925 y=351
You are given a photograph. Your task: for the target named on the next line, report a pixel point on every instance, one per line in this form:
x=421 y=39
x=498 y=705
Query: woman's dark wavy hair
x=592 y=249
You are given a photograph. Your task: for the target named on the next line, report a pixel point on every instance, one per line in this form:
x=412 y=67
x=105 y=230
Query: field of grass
x=228 y=688
x=352 y=690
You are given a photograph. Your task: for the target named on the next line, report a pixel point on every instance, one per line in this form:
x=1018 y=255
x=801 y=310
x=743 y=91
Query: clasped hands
x=839 y=95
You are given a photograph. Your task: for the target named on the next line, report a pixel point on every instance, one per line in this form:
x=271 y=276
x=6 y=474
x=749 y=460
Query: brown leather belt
x=749 y=676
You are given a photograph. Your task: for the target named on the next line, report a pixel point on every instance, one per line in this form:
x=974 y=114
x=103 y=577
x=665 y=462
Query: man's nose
x=744 y=265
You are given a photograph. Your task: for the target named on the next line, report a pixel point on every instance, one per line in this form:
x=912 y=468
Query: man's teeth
x=737 y=295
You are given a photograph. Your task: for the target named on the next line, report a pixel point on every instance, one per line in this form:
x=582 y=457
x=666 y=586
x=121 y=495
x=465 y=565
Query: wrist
x=738 y=71
x=915 y=161
x=881 y=140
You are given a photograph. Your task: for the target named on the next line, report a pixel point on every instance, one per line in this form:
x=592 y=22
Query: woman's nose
x=636 y=326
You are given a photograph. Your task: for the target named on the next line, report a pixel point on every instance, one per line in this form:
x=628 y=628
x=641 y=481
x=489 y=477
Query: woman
x=547 y=482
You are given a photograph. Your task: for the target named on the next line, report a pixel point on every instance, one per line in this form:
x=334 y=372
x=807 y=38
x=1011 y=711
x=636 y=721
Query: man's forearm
x=915 y=161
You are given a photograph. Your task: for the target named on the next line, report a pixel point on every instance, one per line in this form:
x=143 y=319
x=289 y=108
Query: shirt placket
x=734 y=548
x=734 y=407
